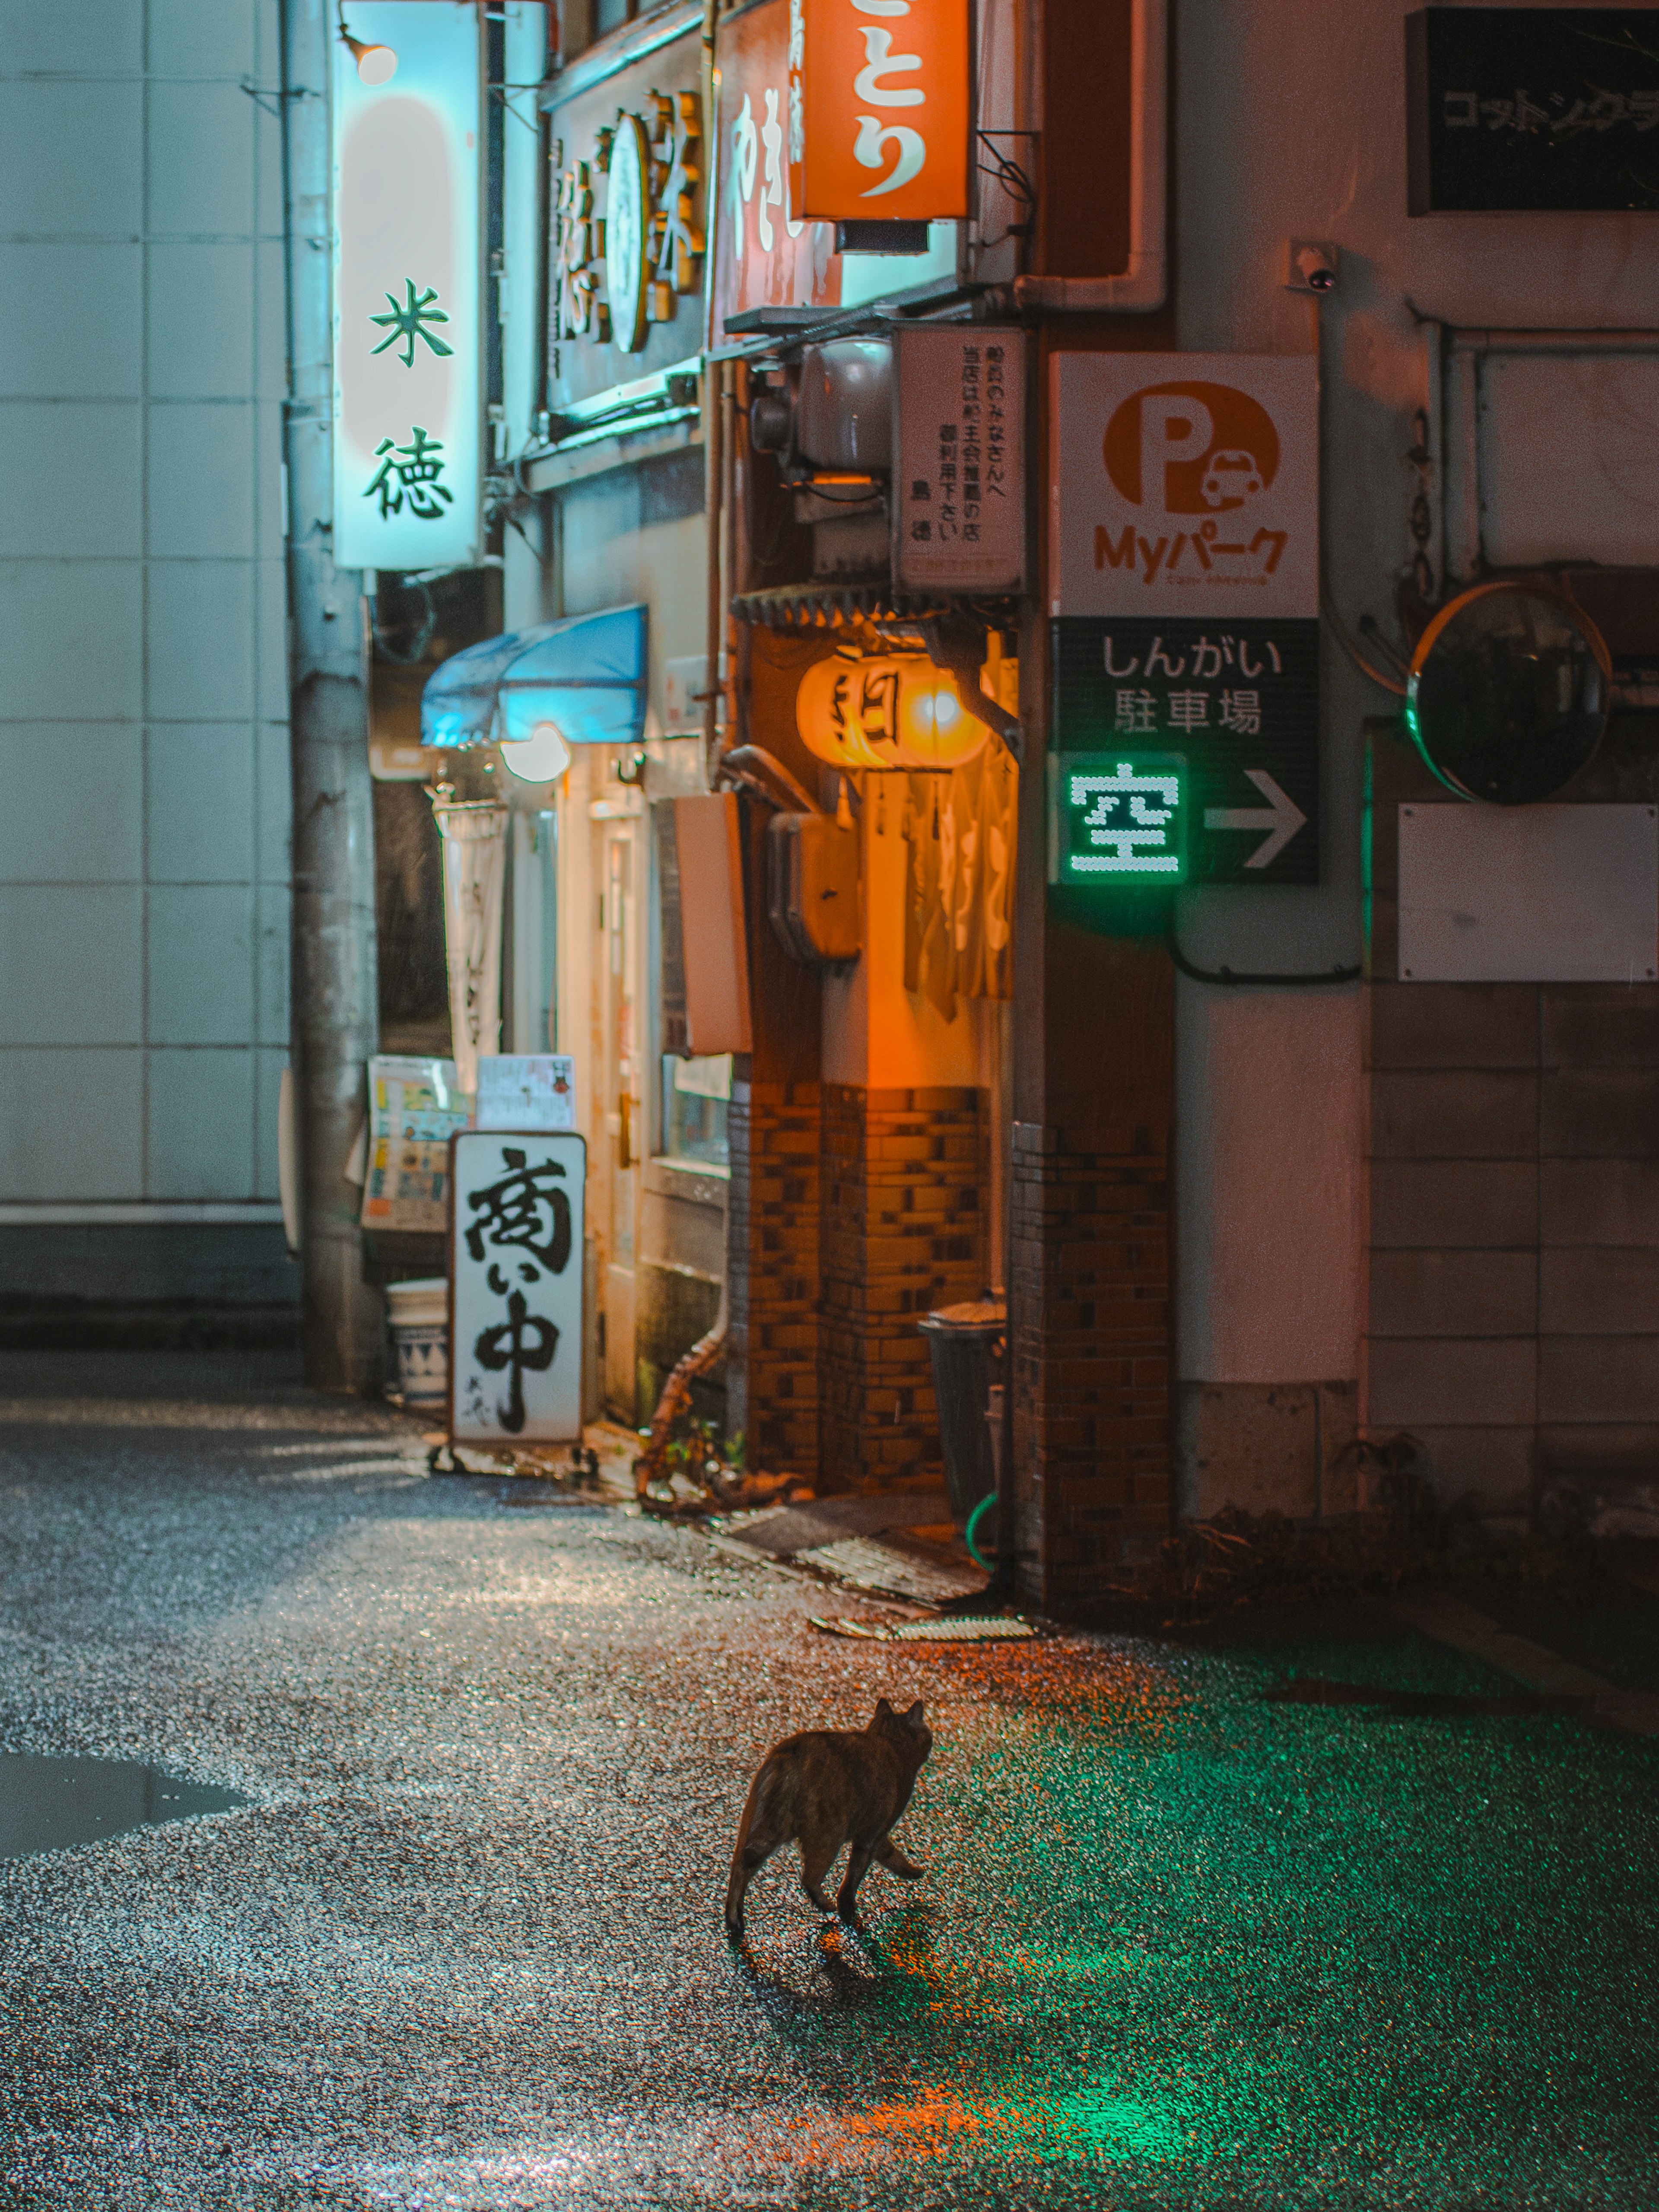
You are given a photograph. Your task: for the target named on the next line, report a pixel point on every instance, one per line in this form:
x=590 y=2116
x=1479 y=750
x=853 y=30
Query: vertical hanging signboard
x=408 y=416
x=515 y=1277
x=959 y=459
x=1183 y=571
x=880 y=109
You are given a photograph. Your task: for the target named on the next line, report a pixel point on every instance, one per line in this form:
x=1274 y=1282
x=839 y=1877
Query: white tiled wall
x=143 y=739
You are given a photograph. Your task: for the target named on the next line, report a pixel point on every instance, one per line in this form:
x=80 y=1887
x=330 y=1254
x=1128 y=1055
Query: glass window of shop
x=693 y=1093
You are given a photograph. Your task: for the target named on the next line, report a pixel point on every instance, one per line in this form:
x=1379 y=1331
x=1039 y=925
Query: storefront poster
x=515 y=1330
x=527 y=1091
x=415 y=1107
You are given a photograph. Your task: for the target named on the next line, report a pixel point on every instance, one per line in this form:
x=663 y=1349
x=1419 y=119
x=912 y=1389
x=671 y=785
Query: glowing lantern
x=899 y=711
x=935 y=729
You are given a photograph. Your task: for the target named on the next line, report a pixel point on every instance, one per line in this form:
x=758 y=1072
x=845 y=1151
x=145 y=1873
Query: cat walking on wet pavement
x=826 y=1788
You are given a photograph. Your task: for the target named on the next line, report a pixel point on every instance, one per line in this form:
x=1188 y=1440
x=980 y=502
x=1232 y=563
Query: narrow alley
x=1183 y=1940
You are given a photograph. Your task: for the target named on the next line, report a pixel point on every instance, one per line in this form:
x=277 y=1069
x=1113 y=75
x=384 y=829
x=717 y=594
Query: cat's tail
x=759 y=1834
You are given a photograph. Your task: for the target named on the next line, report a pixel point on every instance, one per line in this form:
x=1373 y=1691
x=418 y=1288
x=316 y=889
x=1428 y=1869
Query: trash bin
x=966 y=1344
x=419 y=1315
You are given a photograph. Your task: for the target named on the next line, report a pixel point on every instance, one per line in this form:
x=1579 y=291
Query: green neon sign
x=1121 y=818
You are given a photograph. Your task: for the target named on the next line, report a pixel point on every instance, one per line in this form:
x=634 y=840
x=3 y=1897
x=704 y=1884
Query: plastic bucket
x=965 y=1344
x=419 y=1315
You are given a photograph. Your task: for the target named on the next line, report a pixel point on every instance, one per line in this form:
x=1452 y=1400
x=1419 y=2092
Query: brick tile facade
x=772 y=1256
x=900 y=1231
x=1090 y=1289
x=1514 y=1294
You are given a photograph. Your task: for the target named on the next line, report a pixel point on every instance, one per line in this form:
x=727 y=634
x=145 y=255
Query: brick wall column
x=1090 y=1309
x=772 y=1259
x=1089 y=1298
x=901 y=1176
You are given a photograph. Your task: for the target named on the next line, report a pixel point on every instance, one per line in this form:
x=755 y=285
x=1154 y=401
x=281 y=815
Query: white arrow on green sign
x=1281 y=817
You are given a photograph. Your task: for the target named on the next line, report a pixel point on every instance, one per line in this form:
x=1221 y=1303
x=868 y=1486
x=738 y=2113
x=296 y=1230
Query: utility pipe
x=1143 y=285
x=334 y=989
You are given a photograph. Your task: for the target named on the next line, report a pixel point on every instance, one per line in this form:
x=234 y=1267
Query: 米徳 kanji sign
x=878 y=123
x=1184 y=485
x=407 y=422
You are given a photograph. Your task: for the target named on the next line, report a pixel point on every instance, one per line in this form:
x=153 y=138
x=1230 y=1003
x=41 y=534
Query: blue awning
x=586 y=674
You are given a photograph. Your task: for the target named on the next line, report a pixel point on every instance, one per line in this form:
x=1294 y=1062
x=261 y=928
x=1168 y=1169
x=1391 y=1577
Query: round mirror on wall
x=1507 y=694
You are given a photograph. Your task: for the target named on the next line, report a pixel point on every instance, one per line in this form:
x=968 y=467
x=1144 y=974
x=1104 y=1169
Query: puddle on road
x=1312 y=1690
x=57 y=1804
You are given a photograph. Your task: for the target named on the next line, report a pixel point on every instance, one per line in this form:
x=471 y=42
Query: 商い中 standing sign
x=407 y=422
x=515 y=1317
x=1184 y=588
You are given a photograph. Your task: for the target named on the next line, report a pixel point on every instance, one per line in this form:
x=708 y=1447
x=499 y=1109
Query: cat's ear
x=913 y=1718
x=884 y=1710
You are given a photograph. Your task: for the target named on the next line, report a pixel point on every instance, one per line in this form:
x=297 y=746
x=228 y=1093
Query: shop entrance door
x=624 y=1136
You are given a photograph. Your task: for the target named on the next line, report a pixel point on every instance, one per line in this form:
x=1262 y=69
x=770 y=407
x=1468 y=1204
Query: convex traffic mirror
x=1507 y=694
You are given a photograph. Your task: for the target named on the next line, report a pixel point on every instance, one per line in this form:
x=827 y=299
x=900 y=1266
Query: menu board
x=415 y=1107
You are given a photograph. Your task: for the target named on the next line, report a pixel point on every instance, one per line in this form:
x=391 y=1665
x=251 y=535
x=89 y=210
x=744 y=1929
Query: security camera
x=1311 y=267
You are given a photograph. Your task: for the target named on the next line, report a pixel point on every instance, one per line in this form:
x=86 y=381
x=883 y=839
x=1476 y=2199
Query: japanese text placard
x=415 y=1107
x=515 y=1319
x=765 y=254
x=959 y=469
x=408 y=411
x=1239 y=701
x=878 y=109
x=1184 y=484
x=1527 y=108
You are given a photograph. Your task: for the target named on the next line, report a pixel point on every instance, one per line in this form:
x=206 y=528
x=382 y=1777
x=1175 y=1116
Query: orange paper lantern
x=897 y=711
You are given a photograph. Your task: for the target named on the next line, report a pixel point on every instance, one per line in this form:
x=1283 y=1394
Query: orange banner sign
x=878 y=110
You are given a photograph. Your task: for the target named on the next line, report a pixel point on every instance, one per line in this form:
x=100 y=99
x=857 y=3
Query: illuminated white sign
x=1184 y=485
x=408 y=414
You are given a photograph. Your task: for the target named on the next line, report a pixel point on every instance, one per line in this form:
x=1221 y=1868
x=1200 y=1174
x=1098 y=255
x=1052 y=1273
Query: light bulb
x=540 y=757
x=377 y=65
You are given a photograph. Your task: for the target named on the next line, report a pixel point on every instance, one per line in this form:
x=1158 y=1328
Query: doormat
x=998 y=1631
x=873 y=1567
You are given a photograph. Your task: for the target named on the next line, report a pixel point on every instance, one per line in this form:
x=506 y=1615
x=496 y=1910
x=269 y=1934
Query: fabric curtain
x=474 y=853
x=958 y=919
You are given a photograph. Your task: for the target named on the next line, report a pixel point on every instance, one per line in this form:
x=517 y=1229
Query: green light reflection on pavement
x=1229 y=1951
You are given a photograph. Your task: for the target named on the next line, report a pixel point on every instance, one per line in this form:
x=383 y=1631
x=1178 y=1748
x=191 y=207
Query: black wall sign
x=1530 y=108
x=1238 y=700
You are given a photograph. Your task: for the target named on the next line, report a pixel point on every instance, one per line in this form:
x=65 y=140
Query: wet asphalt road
x=1180 y=1944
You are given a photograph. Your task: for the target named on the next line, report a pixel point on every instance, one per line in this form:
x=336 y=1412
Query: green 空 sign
x=1229 y=708
x=1119 y=818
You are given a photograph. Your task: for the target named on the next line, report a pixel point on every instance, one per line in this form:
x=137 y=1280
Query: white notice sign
x=526 y=1091
x=959 y=466
x=1184 y=484
x=515 y=1314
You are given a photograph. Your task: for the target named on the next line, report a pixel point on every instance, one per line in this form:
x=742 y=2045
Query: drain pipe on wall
x=334 y=990
x=675 y=1402
x=1143 y=284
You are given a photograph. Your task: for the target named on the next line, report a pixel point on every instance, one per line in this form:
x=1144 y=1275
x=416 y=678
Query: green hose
x=974 y=1520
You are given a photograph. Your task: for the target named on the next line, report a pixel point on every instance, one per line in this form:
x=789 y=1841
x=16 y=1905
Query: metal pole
x=334 y=987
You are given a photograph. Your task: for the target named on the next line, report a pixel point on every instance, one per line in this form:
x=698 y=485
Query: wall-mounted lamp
x=541 y=757
x=375 y=64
